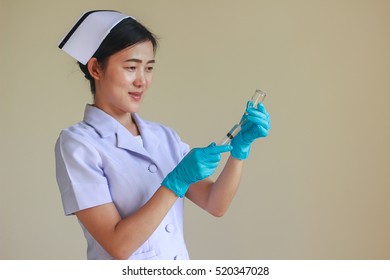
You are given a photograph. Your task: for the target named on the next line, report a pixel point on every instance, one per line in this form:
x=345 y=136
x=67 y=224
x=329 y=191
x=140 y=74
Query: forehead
x=142 y=51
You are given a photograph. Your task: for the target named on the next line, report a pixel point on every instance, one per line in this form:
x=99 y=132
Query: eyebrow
x=139 y=60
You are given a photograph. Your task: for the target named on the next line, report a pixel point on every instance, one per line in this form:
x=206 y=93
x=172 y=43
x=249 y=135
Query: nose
x=140 y=79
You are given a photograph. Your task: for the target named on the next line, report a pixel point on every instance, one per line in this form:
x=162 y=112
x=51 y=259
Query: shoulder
x=78 y=138
x=81 y=131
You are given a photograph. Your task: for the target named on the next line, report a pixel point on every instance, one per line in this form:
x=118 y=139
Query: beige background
x=316 y=188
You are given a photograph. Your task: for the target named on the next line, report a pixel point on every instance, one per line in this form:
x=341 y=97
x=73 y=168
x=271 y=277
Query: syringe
x=257 y=98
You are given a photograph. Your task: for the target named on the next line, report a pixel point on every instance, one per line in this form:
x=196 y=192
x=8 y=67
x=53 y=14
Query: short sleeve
x=79 y=173
x=184 y=148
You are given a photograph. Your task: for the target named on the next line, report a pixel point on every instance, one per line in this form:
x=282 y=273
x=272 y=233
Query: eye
x=149 y=68
x=131 y=68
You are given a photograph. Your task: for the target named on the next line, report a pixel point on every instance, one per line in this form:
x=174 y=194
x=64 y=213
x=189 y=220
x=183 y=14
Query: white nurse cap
x=88 y=33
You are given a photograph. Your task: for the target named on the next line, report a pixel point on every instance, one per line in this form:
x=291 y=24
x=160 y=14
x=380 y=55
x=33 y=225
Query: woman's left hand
x=256 y=125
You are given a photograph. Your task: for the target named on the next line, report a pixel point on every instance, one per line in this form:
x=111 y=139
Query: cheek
x=149 y=79
x=124 y=78
x=115 y=78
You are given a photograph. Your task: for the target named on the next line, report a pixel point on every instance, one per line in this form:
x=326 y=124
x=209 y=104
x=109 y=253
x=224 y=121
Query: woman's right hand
x=197 y=165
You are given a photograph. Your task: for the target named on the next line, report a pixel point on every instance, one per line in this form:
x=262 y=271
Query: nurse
x=126 y=178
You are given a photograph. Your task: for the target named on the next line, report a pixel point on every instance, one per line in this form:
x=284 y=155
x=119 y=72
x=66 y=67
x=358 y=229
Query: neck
x=126 y=119
x=132 y=126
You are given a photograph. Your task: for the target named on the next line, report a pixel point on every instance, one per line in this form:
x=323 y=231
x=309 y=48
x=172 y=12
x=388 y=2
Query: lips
x=136 y=95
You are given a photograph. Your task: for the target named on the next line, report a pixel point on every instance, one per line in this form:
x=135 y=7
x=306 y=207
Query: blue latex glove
x=197 y=165
x=256 y=125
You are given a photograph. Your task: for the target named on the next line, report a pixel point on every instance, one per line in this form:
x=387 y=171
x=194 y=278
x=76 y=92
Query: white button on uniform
x=152 y=168
x=170 y=228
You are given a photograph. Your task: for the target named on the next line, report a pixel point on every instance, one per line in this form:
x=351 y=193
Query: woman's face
x=126 y=77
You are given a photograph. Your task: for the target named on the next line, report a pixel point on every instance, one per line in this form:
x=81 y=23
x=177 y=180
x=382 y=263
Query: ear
x=94 y=68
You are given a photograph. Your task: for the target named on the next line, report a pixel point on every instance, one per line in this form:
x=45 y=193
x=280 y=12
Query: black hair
x=127 y=33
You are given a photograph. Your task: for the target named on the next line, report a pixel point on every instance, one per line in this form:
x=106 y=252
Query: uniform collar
x=102 y=122
x=105 y=125
x=150 y=138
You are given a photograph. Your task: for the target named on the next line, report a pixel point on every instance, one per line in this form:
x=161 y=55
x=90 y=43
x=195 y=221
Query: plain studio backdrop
x=317 y=188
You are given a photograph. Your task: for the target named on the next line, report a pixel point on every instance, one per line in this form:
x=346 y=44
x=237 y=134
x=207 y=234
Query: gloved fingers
x=253 y=111
x=209 y=160
x=260 y=112
x=212 y=144
x=261 y=132
x=205 y=169
x=210 y=154
x=253 y=115
x=257 y=112
x=264 y=121
x=210 y=165
x=261 y=108
x=249 y=104
x=254 y=131
x=217 y=150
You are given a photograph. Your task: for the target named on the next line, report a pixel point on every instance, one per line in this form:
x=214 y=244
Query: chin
x=134 y=109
